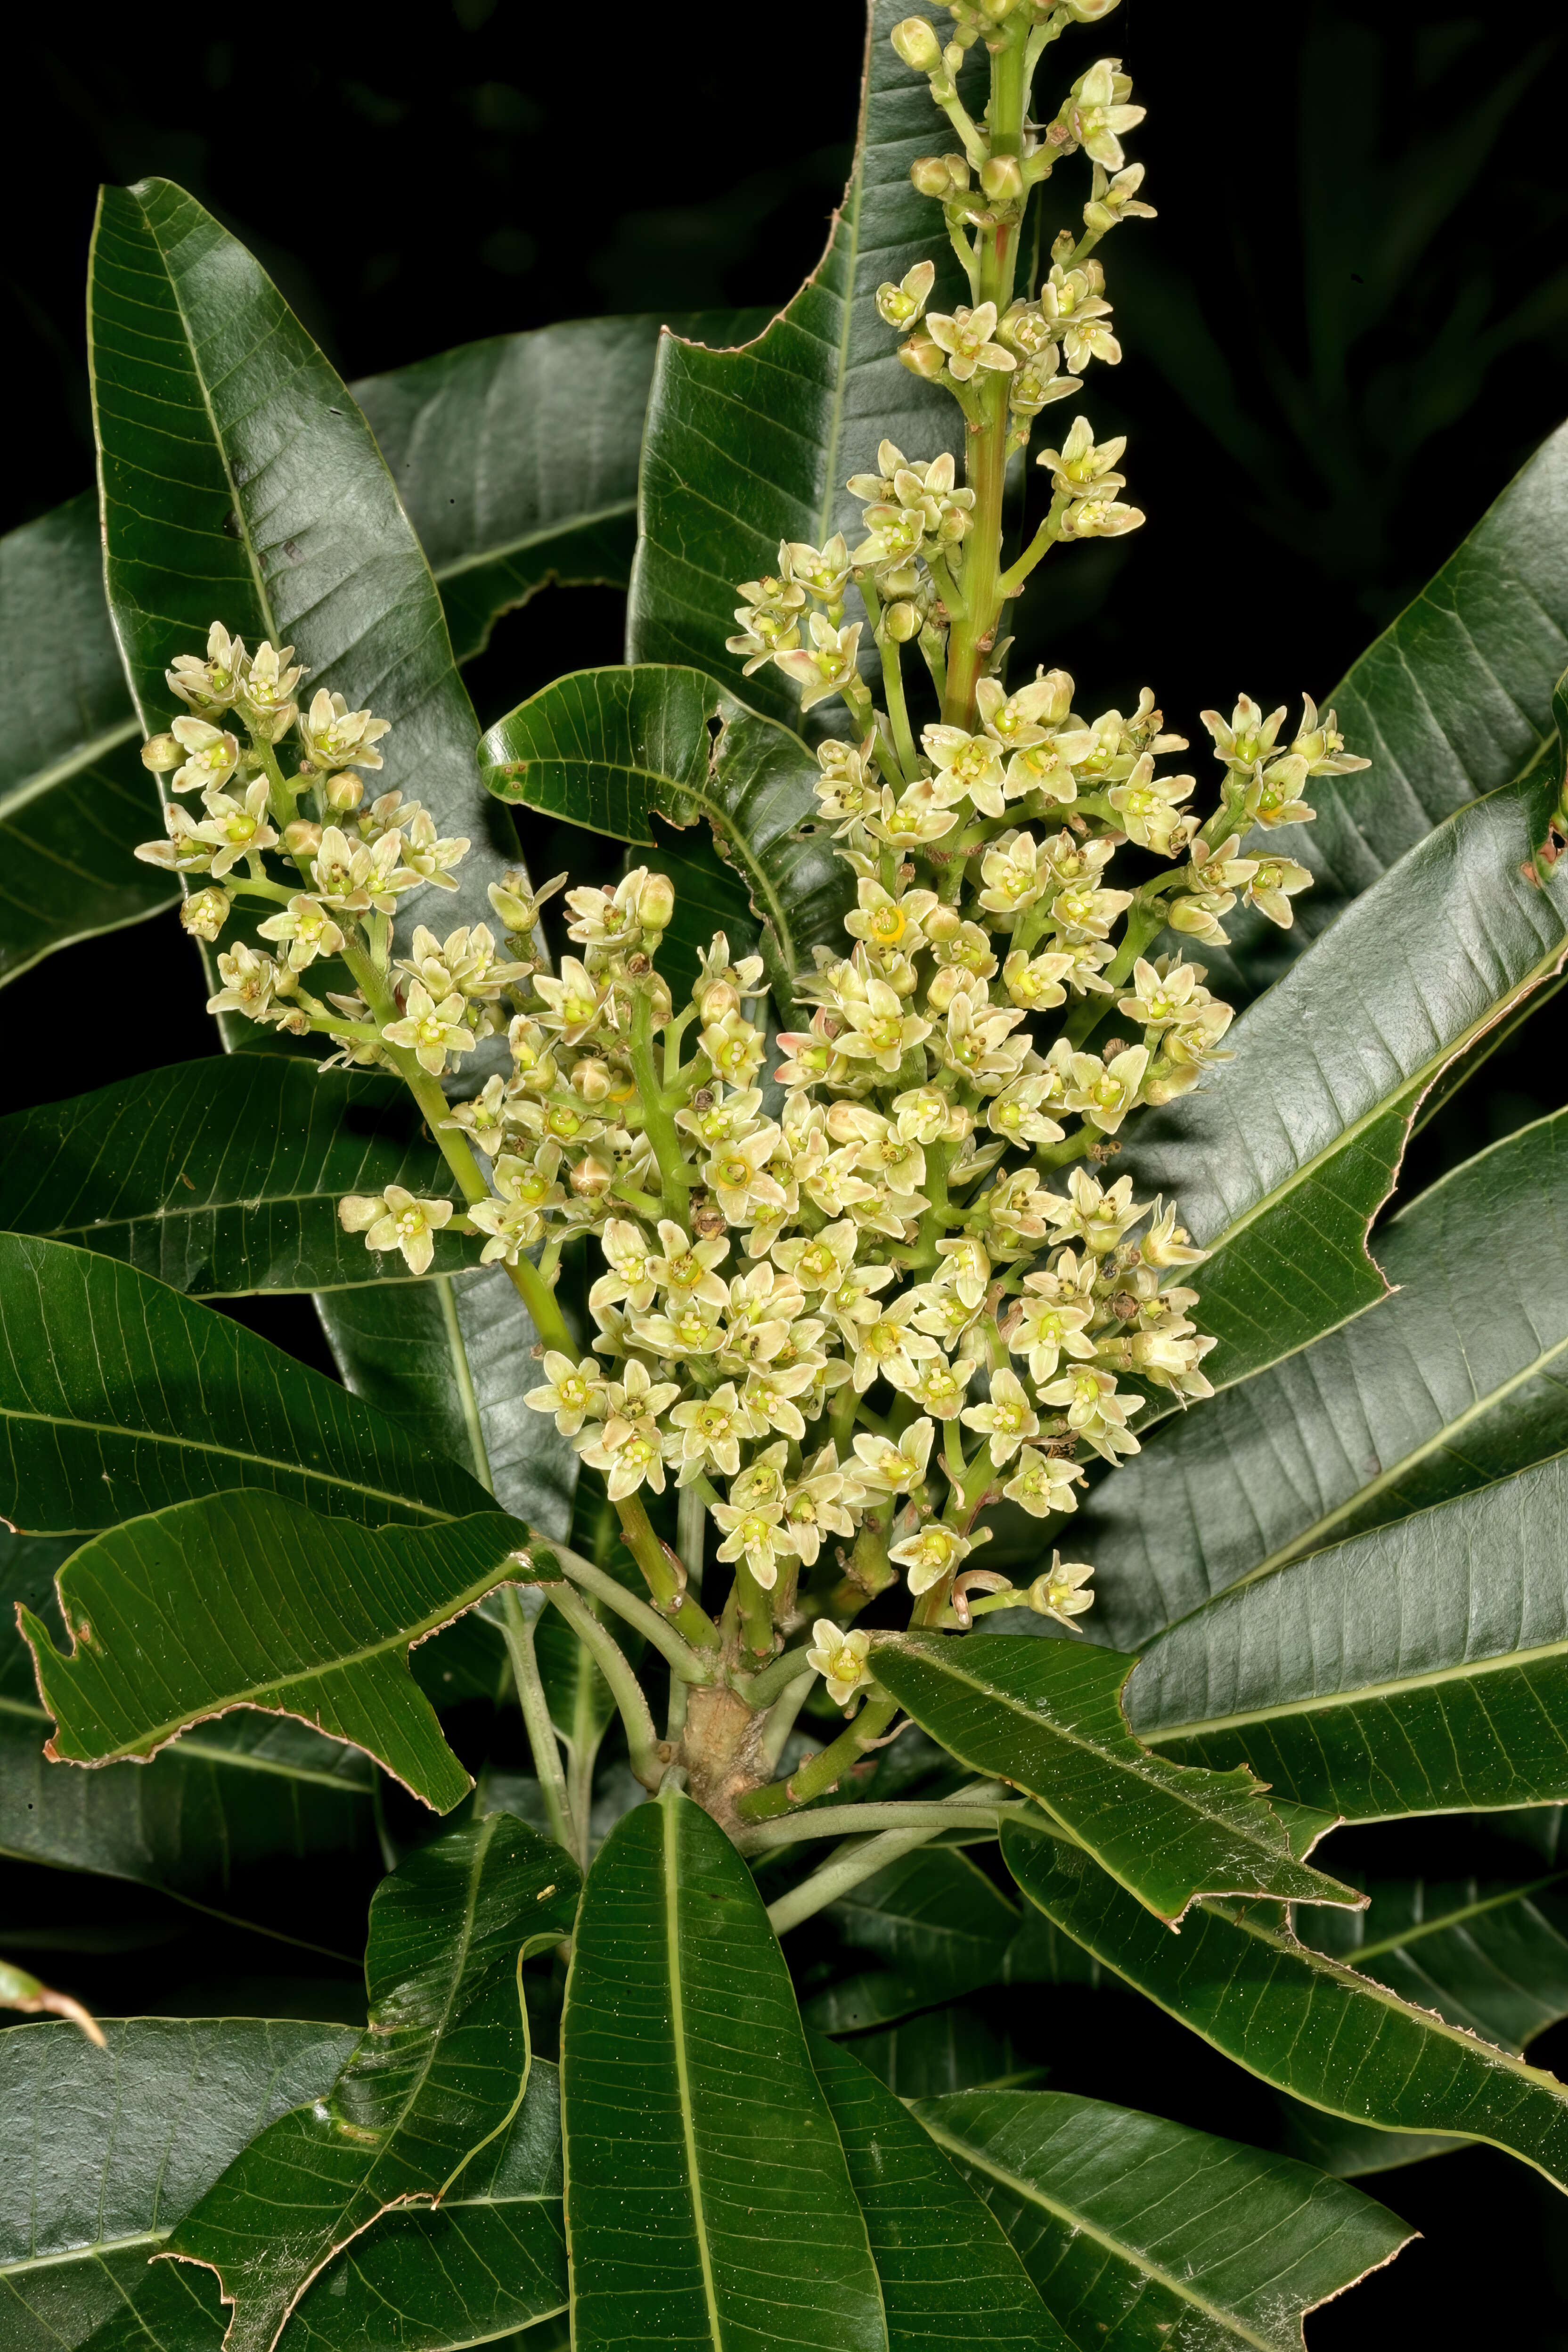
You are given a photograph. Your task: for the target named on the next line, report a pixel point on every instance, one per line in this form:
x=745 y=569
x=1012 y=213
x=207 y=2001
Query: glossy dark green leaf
x=451 y=1360
x=1278 y=1162
x=746 y=447
x=490 y=2258
x=957 y=2047
x=1487 y=1955
x=437 y=2076
x=1455 y=1380
x=1048 y=1716
x=517 y=458
x=937 y=1923
x=248 y=1600
x=223 y=1176
x=1455 y=698
x=103 y=2150
x=705 y=2185
x=240 y=482
x=1141 y=2234
x=1422 y=1668
x=949 y=2274
x=117 y=1396
x=1307 y=2024
x=224 y=1818
x=74 y=797
x=607 y=748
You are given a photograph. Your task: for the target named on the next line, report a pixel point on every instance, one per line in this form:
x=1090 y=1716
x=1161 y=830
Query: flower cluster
x=352 y=860
x=862 y=1285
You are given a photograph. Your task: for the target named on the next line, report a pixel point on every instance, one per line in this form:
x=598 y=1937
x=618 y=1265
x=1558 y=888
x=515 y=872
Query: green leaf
x=117 y=1396
x=517 y=458
x=240 y=482
x=248 y=1600
x=223 y=1817
x=1422 y=1668
x=437 y=2076
x=1455 y=698
x=608 y=747
x=101 y=2151
x=1142 y=2233
x=1306 y=2024
x=1455 y=1379
x=743 y=448
x=706 y=2188
x=223 y=1176
x=1279 y=1163
x=451 y=1360
x=948 y=2049
x=74 y=797
x=490 y=2258
x=949 y=2274
x=938 y=1923
x=1047 y=1716
x=1489 y=1956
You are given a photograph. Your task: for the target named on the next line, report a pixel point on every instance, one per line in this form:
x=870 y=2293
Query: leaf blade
x=1047 y=1718
x=118 y=1396
x=1148 y=2233
x=1441 y=1686
x=1280 y=1164
x=248 y=1600
x=1455 y=1379
x=947 y=2269
x=104 y=2151
x=440 y=2073
x=658 y=2215
x=222 y=1177
x=1306 y=2024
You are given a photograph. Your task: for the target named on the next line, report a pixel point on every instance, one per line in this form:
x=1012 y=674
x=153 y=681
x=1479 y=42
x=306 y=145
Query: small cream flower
x=840 y=1659
x=395 y=1220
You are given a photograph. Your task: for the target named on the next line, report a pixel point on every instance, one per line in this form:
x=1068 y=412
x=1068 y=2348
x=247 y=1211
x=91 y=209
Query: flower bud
x=656 y=902
x=717 y=998
x=345 y=791
x=901 y=622
x=205 y=912
x=943 y=923
x=591 y=1080
x=302 y=839
x=591 y=1177
x=923 y=357
x=929 y=175
x=1002 y=178
x=945 y=984
x=917 y=45
x=160 y=752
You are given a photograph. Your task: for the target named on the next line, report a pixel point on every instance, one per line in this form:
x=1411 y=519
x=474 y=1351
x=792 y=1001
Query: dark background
x=1346 y=331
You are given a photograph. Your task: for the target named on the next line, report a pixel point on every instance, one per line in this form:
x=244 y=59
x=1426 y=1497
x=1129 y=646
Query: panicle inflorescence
x=859 y=1283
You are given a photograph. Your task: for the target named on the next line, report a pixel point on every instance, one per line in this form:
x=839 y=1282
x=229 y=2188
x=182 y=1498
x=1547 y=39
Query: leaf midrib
x=224 y=1452
x=1129 y=1766
x=1365 y=1693
x=156 y=1735
x=1420 y=1929
x=1311 y=1538
x=669 y=1842
x=1415 y=1082
x=503 y=549
x=100 y=2247
x=66 y=769
x=1028 y=2193
x=230 y=1759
